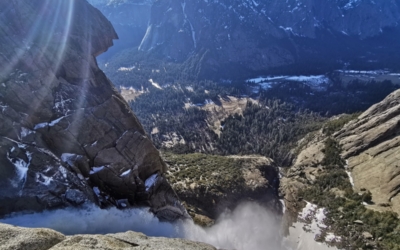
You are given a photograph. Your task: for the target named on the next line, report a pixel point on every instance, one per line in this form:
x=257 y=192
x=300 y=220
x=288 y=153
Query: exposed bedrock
x=66 y=135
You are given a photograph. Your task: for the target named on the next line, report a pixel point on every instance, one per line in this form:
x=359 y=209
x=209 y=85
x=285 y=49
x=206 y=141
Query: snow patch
x=96 y=169
x=125 y=173
x=21 y=168
x=349 y=173
x=68 y=158
x=155 y=84
x=350 y=178
x=330 y=237
x=150 y=181
x=63 y=171
x=124 y=69
x=96 y=190
x=43 y=179
x=50 y=124
x=317 y=82
x=25 y=132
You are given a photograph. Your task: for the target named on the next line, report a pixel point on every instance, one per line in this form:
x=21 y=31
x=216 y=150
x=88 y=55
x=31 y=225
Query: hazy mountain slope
x=129 y=18
x=67 y=137
x=260 y=35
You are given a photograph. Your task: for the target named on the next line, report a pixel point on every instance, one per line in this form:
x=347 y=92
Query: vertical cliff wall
x=66 y=135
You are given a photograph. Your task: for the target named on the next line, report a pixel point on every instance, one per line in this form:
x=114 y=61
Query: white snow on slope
x=21 y=169
x=150 y=181
x=96 y=169
x=349 y=173
x=68 y=158
x=317 y=82
x=51 y=124
x=125 y=173
x=303 y=233
x=155 y=84
x=25 y=132
x=126 y=69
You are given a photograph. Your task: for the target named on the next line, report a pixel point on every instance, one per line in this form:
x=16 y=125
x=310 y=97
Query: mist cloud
x=249 y=226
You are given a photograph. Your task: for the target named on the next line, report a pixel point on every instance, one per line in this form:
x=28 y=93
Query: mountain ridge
x=259 y=37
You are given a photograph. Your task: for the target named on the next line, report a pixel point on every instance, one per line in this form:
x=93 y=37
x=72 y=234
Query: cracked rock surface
x=66 y=135
x=19 y=238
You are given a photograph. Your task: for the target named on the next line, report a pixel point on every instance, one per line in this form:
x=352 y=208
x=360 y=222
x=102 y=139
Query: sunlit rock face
x=66 y=136
x=256 y=35
x=371 y=145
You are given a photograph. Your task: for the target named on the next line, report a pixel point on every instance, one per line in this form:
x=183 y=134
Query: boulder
x=367 y=235
x=18 y=238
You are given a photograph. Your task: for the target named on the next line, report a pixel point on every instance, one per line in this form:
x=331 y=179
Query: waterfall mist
x=249 y=226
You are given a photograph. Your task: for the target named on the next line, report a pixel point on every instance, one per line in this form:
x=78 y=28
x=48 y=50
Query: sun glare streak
x=85 y=76
x=53 y=25
x=29 y=40
x=51 y=37
x=65 y=34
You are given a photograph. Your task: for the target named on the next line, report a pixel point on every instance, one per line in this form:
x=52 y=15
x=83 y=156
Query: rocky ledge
x=18 y=238
x=67 y=137
x=210 y=184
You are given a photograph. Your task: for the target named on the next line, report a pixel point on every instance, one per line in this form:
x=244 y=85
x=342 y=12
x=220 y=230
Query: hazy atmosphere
x=200 y=124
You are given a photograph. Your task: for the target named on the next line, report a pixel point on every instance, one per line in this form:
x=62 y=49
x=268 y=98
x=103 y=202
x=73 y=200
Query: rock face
x=67 y=137
x=371 y=144
x=265 y=34
x=19 y=238
x=129 y=18
x=304 y=171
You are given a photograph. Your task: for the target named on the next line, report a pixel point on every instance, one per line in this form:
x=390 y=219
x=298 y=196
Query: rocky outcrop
x=129 y=18
x=19 y=238
x=67 y=137
x=12 y=237
x=306 y=168
x=371 y=144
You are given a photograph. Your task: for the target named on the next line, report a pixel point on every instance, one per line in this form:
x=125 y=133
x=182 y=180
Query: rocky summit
x=67 y=137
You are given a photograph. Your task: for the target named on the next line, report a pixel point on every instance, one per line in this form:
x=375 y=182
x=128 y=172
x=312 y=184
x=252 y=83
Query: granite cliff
x=371 y=145
x=67 y=137
x=352 y=175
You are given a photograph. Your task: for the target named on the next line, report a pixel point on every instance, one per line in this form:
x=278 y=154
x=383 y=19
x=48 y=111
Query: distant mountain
x=260 y=35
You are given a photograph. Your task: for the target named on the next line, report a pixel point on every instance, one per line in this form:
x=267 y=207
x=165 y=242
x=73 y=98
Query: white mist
x=249 y=226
